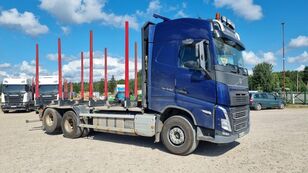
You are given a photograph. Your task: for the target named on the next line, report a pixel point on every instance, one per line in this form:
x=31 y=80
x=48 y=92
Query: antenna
x=160 y=17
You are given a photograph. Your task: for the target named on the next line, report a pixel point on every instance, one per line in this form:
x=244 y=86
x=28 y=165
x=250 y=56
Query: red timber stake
x=136 y=72
x=59 y=70
x=37 y=91
x=106 y=78
x=126 y=63
x=71 y=90
x=81 y=75
x=65 y=89
x=91 y=67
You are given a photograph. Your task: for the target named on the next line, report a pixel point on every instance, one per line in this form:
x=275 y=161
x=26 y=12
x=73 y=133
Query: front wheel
x=281 y=106
x=179 y=136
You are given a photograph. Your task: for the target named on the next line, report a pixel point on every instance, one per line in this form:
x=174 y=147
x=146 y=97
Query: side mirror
x=203 y=57
x=201 y=54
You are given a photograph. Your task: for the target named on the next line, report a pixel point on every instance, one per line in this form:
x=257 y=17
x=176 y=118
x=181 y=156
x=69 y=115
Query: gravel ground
x=277 y=142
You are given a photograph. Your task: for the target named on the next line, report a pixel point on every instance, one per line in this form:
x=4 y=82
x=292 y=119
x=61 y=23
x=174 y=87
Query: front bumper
x=15 y=106
x=219 y=138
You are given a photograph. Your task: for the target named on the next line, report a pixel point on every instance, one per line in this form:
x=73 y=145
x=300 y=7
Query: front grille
x=239 y=117
x=49 y=99
x=239 y=127
x=13 y=99
x=239 y=98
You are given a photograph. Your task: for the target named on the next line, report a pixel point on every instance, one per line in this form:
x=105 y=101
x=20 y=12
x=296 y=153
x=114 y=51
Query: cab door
x=194 y=89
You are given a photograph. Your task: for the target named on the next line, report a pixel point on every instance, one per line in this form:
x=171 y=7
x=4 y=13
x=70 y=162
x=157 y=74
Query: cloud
x=300 y=68
x=181 y=14
x=66 y=30
x=251 y=58
x=3 y=74
x=244 y=8
x=300 y=41
x=153 y=7
x=85 y=11
x=26 y=22
x=54 y=57
x=5 y=65
x=302 y=58
x=269 y=57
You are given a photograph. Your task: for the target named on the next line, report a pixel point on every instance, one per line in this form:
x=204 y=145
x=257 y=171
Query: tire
x=281 y=106
x=52 y=121
x=5 y=111
x=179 y=136
x=258 y=107
x=69 y=125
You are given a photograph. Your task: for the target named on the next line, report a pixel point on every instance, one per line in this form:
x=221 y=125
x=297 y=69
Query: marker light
x=217 y=17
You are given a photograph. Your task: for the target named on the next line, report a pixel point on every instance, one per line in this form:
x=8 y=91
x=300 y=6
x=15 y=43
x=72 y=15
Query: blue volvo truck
x=194 y=88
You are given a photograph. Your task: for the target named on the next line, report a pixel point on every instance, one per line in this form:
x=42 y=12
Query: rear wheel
x=52 y=121
x=70 y=126
x=179 y=136
x=258 y=107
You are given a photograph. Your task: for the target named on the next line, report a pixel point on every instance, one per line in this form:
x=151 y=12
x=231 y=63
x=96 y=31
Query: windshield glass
x=14 y=88
x=48 y=89
x=227 y=54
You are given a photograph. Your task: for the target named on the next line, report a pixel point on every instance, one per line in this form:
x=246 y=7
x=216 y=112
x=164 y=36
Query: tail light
x=250 y=100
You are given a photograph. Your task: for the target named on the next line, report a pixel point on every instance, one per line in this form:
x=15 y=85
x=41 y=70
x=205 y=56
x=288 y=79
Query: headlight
x=225 y=122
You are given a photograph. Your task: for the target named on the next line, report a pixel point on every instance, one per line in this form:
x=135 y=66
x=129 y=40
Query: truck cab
x=48 y=90
x=195 y=67
x=16 y=94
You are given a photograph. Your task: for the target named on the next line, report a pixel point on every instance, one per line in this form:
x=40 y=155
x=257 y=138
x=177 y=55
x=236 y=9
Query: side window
x=27 y=88
x=257 y=96
x=264 y=96
x=270 y=96
x=188 y=57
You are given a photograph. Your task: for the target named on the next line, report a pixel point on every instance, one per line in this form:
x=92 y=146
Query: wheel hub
x=68 y=124
x=176 y=136
x=49 y=120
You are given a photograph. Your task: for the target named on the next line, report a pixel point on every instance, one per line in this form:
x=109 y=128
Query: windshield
x=14 y=88
x=48 y=89
x=228 y=55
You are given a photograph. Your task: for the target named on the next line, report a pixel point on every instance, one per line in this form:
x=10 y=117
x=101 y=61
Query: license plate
x=13 y=106
x=241 y=134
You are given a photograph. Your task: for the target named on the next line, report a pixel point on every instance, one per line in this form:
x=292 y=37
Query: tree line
x=264 y=79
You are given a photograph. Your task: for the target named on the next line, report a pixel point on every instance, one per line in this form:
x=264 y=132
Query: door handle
x=182 y=91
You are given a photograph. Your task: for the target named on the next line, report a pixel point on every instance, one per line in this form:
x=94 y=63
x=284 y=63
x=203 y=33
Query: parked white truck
x=48 y=90
x=17 y=94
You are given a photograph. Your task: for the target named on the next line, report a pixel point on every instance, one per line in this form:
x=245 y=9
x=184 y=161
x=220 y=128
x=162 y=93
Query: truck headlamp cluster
x=225 y=122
